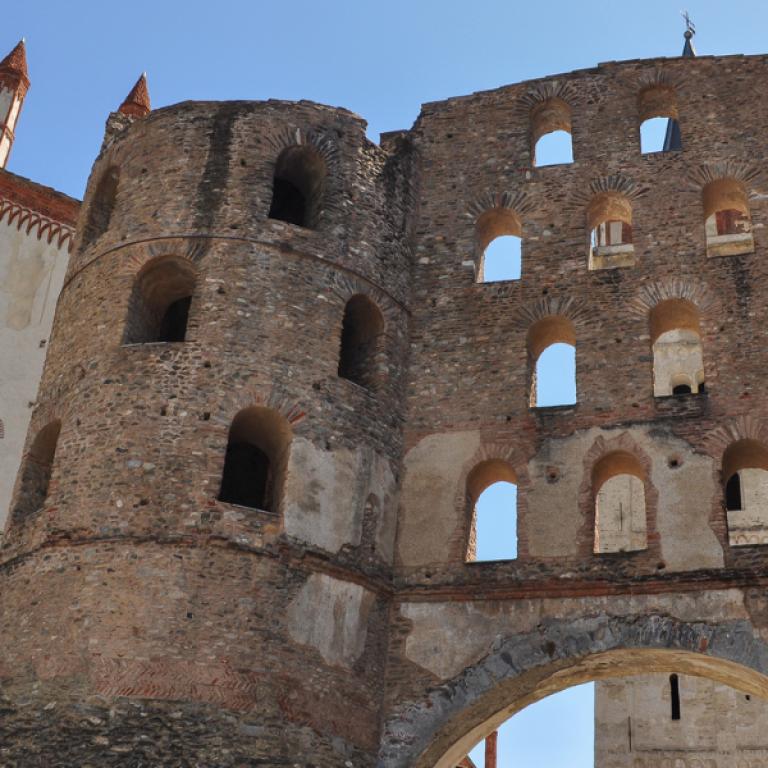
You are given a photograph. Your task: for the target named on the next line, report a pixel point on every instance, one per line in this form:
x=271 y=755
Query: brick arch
x=544 y=91
x=744 y=427
x=578 y=311
x=696 y=292
x=345 y=286
x=749 y=174
x=324 y=141
x=437 y=730
x=601 y=448
x=518 y=201
x=139 y=255
x=251 y=394
x=487 y=451
x=617 y=183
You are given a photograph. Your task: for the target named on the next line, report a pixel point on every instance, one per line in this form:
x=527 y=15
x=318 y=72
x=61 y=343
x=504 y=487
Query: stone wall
x=341 y=623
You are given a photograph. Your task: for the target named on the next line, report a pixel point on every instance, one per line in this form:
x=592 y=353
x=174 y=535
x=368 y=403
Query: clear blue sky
x=381 y=60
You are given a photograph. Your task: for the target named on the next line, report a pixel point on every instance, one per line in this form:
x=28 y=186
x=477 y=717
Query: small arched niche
x=102 y=205
x=256 y=459
x=618 y=485
x=297 y=186
x=551 y=142
x=659 y=126
x=727 y=221
x=362 y=330
x=609 y=221
x=35 y=472
x=678 y=360
x=492 y=500
x=498 y=236
x=745 y=491
x=158 y=309
x=551 y=345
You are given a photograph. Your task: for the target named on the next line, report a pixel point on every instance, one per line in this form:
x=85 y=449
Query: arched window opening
x=678 y=360
x=492 y=498
x=498 y=234
x=659 y=126
x=674 y=696
x=652 y=135
x=745 y=490
x=551 y=133
x=159 y=305
x=551 y=346
x=102 y=205
x=728 y=224
x=298 y=186
x=35 y=473
x=609 y=220
x=361 y=335
x=255 y=461
x=618 y=484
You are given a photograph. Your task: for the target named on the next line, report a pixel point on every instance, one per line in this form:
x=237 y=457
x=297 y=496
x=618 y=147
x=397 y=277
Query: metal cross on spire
x=690 y=27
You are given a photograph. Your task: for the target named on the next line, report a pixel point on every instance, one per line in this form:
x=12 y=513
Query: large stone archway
x=438 y=730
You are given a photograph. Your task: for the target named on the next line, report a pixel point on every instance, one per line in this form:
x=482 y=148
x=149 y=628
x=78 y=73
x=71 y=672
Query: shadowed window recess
x=35 y=473
x=362 y=332
x=255 y=459
x=159 y=306
x=297 y=186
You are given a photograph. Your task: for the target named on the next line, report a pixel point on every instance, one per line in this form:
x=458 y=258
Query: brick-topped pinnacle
x=13 y=68
x=137 y=102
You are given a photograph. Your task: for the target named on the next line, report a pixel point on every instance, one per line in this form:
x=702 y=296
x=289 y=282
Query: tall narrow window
x=101 y=206
x=609 y=220
x=618 y=484
x=159 y=305
x=659 y=126
x=678 y=361
x=551 y=133
x=551 y=346
x=745 y=491
x=361 y=334
x=492 y=499
x=498 y=234
x=255 y=460
x=674 y=696
x=297 y=186
x=727 y=221
x=35 y=472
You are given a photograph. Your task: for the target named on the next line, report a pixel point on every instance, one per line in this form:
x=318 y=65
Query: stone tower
x=242 y=532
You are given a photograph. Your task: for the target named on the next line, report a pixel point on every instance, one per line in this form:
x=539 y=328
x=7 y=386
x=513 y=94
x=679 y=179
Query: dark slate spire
x=672 y=139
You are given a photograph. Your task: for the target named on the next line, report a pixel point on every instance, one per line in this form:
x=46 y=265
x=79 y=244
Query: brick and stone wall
x=343 y=625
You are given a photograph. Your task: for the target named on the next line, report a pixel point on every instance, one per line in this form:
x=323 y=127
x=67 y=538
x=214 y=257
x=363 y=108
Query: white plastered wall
x=677 y=359
x=749 y=525
x=620 y=515
x=31 y=276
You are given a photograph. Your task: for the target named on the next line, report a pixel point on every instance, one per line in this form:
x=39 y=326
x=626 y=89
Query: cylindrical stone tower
x=198 y=551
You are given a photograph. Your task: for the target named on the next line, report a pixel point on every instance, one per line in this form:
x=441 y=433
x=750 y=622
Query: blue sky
x=381 y=60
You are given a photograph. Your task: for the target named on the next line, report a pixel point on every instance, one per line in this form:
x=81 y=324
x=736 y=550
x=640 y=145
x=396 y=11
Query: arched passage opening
x=362 y=331
x=745 y=491
x=297 y=186
x=551 y=142
x=256 y=459
x=727 y=220
x=35 y=472
x=609 y=222
x=678 y=359
x=498 y=235
x=659 y=126
x=551 y=344
x=440 y=729
x=618 y=485
x=492 y=500
x=158 y=309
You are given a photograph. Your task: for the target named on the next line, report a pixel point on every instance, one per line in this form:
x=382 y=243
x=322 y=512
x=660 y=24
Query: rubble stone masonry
x=144 y=621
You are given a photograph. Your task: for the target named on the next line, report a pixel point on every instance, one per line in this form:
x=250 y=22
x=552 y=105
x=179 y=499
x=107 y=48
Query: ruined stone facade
x=275 y=388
